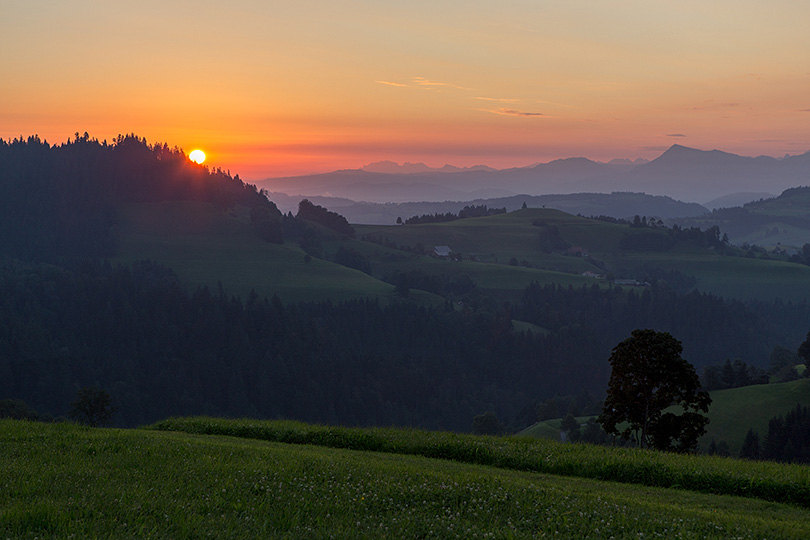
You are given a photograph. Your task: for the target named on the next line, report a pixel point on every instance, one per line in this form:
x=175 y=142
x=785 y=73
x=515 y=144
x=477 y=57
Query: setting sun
x=197 y=156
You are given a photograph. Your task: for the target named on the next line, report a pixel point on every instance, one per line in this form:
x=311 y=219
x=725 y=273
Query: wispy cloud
x=389 y=83
x=499 y=100
x=421 y=81
x=713 y=105
x=804 y=110
x=425 y=84
x=675 y=135
x=512 y=112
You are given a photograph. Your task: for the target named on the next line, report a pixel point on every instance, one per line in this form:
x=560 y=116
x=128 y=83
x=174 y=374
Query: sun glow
x=197 y=156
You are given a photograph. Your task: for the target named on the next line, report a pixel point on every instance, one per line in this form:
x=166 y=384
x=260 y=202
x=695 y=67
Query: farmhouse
x=442 y=251
x=588 y=273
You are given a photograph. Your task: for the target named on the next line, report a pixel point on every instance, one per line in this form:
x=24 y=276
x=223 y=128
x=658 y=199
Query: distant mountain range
x=390 y=167
x=682 y=173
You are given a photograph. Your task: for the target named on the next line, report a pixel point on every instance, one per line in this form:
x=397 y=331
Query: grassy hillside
x=549 y=429
x=733 y=412
x=205 y=246
x=68 y=481
x=499 y=238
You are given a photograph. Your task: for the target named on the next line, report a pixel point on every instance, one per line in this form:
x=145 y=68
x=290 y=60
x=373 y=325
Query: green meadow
x=67 y=481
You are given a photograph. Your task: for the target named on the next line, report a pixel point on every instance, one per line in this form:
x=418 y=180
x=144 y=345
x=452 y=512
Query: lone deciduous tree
x=92 y=406
x=648 y=377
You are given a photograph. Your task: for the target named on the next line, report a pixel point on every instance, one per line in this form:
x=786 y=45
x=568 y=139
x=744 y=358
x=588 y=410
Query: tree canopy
x=649 y=376
x=92 y=406
x=804 y=350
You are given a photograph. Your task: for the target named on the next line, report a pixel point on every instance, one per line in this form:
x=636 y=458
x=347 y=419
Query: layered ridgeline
x=154 y=279
x=620 y=205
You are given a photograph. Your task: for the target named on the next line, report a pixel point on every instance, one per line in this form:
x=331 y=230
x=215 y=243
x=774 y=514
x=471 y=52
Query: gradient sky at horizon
x=272 y=88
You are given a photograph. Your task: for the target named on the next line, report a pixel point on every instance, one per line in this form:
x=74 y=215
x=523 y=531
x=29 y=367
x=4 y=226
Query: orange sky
x=271 y=88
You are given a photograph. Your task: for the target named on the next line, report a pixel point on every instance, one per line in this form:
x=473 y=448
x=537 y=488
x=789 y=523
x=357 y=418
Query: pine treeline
x=788 y=437
x=787 y=440
x=469 y=211
x=61 y=201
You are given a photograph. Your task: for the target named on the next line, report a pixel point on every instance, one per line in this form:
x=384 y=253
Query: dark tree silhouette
x=570 y=427
x=92 y=406
x=750 y=447
x=788 y=437
x=804 y=350
x=648 y=376
x=487 y=424
x=17 y=409
x=319 y=214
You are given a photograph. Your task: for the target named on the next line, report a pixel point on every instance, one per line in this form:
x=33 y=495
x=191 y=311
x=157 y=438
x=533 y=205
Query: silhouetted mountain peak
x=678 y=156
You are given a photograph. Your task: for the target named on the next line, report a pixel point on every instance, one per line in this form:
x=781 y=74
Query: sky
x=269 y=88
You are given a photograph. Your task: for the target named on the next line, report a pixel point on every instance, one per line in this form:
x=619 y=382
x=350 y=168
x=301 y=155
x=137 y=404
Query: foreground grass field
x=66 y=481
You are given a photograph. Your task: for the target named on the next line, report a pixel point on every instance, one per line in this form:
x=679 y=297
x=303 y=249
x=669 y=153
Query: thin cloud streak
x=421 y=81
x=499 y=100
x=512 y=112
x=675 y=135
x=389 y=83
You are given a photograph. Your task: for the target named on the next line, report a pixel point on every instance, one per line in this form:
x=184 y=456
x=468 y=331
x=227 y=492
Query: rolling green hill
x=205 y=245
x=493 y=241
x=550 y=429
x=733 y=412
x=62 y=481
